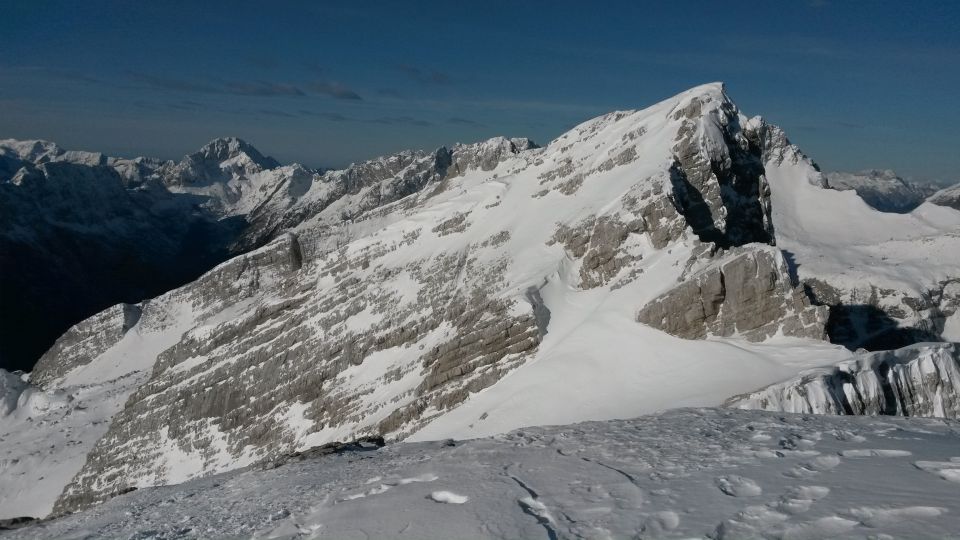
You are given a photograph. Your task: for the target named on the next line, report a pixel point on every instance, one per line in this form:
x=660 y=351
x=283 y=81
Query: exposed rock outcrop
x=718 y=182
x=878 y=318
x=85 y=341
x=919 y=380
x=747 y=293
x=719 y=188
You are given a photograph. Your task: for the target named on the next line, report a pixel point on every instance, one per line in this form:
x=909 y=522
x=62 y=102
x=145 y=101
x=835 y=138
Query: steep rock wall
x=919 y=380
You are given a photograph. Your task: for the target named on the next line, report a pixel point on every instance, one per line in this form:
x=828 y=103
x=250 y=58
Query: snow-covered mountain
x=949 y=196
x=671 y=256
x=80 y=231
x=881 y=189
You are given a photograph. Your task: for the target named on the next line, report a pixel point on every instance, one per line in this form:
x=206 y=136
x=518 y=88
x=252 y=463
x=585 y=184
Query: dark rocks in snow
x=363 y=444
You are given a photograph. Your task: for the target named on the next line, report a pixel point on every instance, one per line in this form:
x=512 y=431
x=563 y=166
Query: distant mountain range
x=883 y=189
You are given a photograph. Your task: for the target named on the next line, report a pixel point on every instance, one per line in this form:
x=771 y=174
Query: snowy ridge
x=920 y=380
x=687 y=473
x=949 y=196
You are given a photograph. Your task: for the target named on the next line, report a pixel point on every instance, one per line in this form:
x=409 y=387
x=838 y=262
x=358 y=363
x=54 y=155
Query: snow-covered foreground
x=717 y=473
x=45 y=439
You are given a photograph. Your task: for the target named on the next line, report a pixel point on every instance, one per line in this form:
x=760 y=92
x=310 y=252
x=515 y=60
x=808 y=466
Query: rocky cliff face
x=881 y=318
x=719 y=188
x=85 y=341
x=747 y=293
x=888 y=278
x=920 y=380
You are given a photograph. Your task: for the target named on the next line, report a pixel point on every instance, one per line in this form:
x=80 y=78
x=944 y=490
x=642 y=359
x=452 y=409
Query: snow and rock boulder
x=46 y=434
x=11 y=386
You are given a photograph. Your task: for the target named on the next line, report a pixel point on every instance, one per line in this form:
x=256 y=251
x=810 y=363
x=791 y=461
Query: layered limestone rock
x=290 y=363
x=85 y=231
x=747 y=293
x=919 y=380
x=486 y=155
x=85 y=341
x=320 y=210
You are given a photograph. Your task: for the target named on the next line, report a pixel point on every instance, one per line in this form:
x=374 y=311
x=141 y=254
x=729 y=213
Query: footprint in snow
x=947 y=470
x=738 y=486
x=660 y=522
x=873 y=452
x=448 y=497
x=813 y=467
x=387 y=485
x=879 y=517
x=799 y=499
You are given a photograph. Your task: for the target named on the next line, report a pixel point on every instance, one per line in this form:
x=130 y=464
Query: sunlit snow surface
x=686 y=473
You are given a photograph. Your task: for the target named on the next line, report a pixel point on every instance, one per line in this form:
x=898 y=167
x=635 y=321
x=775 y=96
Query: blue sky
x=855 y=84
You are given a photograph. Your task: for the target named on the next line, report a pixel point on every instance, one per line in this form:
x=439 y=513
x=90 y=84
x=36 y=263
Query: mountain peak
x=226 y=148
x=713 y=89
x=31 y=150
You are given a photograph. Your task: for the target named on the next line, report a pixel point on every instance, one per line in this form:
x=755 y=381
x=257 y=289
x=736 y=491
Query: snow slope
x=46 y=436
x=686 y=473
x=891 y=279
x=837 y=237
x=45 y=440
